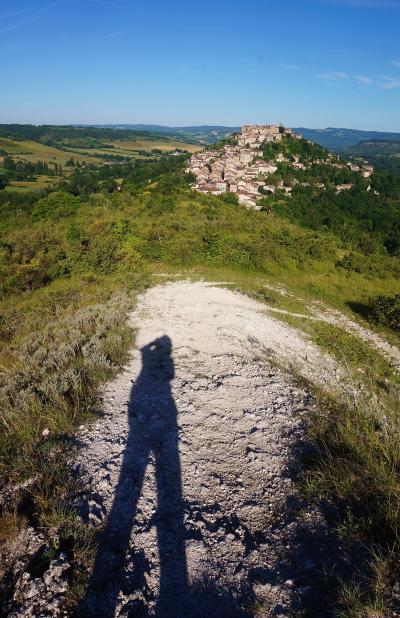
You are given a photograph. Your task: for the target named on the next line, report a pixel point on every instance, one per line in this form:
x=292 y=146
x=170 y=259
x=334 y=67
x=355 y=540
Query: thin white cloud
x=17 y=24
x=30 y=17
x=332 y=76
x=390 y=83
x=364 y=79
x=113 y=35
x=291 y=67
x=13 y=14
x=396 y=63
x=385 y=82
x=182 y=69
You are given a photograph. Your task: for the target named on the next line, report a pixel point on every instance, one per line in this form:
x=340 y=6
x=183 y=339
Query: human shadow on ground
x=153 y=435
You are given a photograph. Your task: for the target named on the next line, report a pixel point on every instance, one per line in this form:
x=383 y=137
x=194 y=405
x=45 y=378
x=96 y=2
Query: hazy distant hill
x=331 y=138
x=377 y=147
x=341 y=139
x=204 y=134
x=381 y=153
x=56 y=134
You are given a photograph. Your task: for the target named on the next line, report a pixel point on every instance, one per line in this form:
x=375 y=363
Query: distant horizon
x=183 y=126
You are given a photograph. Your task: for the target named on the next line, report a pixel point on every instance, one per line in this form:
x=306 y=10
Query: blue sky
x=313 y=63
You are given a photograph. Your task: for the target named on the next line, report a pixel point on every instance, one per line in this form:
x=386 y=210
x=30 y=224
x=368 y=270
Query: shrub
x=160 y=204
x=56 y=206
x=50 y=381
x=371 y=266
x=30 y=258
x=229 y=198
x=385 y=310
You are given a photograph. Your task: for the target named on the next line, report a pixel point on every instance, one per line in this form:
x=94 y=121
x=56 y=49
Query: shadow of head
x=161 y=345
x=157 y=363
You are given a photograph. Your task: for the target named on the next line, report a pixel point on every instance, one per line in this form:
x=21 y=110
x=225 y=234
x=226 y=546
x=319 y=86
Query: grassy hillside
x=72 y=261
x=64 y=242
x=29 y=150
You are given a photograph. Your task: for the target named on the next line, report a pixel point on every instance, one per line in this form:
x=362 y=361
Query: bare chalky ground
x=190 y=468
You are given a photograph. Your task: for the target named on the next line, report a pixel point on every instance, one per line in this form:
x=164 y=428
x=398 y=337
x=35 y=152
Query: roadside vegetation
x=352 y=472
x=355 y=469
x=72 y=260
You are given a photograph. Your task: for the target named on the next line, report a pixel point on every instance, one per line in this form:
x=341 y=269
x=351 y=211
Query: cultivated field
x=34 y=151
x=42 y=182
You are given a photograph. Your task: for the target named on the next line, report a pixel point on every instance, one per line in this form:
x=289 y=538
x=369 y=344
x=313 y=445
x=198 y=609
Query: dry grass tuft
x=48 y=384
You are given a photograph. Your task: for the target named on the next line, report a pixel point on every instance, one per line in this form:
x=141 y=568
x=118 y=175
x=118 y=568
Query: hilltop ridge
x=247 y=165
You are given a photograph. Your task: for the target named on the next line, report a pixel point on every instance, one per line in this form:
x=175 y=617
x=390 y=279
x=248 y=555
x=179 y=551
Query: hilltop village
x=240 y=167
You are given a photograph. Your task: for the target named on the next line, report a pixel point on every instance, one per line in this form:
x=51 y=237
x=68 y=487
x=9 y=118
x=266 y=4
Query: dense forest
x=25 y=170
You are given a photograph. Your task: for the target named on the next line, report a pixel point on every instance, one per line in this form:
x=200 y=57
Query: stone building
x=239 y=167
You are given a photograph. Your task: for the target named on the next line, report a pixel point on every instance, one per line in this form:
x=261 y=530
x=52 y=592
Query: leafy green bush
x=371 y=266
x=30 y=258
x=55 y=206
x=385 y=310
x=162 y=203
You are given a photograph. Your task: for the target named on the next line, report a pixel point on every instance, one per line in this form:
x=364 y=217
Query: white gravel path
x=189 y=467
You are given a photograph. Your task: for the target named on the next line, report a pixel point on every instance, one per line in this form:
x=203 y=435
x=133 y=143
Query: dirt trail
x=319 y=311
x=190 y=466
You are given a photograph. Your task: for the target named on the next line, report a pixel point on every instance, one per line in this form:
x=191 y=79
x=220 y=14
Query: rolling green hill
x=337 y=139
x=204 y=134
x=381 y=153
x=77 y=136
